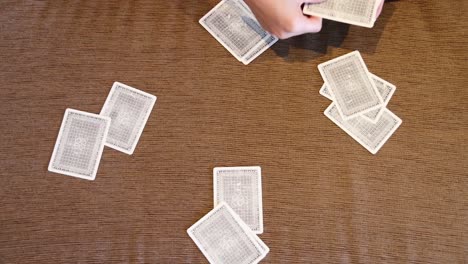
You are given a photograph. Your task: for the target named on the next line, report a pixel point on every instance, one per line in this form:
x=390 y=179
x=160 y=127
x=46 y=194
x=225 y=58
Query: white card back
x=236 y=28
x=371 y=136
x=356 y=12
x=325 y=92
x=241 y=189
x=349 y=82
x=386 y=91
x=261 y=47
x=79 y=145
x=129 y=109
x=224 y=238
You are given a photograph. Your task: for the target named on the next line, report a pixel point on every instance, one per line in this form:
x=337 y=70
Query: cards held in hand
x=355 y=12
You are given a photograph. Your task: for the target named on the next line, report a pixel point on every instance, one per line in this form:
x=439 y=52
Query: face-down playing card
x=371 y=136
x=233 y=24
x=224 y=238
x=129 y=110
x=386 y=91
x=79 y=145
x=356 y=12
x=349 y=83
x=241 y=189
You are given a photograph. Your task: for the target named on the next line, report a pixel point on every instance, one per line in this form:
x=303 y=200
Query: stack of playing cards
x=359 y=101
x=233 y=24
x=356 y=12
x=227 y=234
x=83 y=135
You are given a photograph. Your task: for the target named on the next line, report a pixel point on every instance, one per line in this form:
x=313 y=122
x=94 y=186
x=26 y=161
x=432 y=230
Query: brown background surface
x=326 y=199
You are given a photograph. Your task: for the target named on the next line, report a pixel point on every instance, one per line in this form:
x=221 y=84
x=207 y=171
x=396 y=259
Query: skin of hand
x=284 y=18
x=379 y=10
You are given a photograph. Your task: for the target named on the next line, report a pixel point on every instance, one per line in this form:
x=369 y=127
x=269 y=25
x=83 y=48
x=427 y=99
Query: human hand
x=379 y=10
x=284 y=18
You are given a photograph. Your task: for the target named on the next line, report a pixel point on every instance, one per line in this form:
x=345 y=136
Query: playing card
x=386 y=91
x=355 y=12
x=324 y=92
x=79 y=144
x=129 y=110
x=241 y=189
x=236 y=28
x=370 y=135
x=224 y=238
x=263 y=45
x=349 y=83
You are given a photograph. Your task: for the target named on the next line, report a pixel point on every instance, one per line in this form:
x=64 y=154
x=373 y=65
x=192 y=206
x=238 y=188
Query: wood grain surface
x=326 y=199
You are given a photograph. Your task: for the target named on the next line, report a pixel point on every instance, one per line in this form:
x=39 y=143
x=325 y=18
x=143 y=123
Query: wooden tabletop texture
x=326 y=199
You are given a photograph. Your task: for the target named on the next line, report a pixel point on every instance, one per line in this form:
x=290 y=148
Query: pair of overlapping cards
x=82 y=135
x=233 y=24
x=355 y=12
x=359 y=101
x=228 y=233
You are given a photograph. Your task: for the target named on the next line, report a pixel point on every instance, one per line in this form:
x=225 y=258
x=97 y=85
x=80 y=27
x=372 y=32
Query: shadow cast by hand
x=311 y=46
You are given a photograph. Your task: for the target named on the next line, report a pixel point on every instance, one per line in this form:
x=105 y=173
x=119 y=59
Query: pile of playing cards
x=83 y=135
x=227 y=234
x=233 y=24
x=356 y=12
x=359 y=101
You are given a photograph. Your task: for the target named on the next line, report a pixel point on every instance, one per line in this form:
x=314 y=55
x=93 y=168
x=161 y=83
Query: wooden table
x=326 y=199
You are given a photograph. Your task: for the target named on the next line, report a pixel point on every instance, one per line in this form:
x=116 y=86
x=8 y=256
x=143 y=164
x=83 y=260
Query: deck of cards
x=359 y=101
x=233 y=24
x=228 y=233
x=355 y=12
x=82 y=135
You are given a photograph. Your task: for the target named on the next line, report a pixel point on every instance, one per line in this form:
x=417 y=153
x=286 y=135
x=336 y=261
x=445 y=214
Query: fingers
x=379 y=11
x=301 y=26
x=290 y=21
